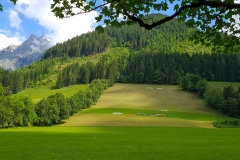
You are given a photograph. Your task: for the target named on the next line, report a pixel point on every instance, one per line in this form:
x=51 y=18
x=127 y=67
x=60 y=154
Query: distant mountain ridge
x=10 y=48
x=31 y=50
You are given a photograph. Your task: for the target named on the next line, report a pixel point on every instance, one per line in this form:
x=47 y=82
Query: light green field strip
x=38 y=93
x=155 y=113
x=132 y=120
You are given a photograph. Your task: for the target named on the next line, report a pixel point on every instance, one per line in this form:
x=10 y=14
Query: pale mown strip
x=126 y=120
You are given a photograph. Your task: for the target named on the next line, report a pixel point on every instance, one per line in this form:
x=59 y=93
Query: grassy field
x=38 y=93
x=121 y=143
x=182 y=130
x=147 y=105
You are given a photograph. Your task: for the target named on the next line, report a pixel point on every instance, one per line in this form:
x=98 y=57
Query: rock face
x=31 y=50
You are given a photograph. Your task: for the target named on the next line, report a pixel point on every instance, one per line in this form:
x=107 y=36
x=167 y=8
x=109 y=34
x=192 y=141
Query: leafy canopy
x=216 y=20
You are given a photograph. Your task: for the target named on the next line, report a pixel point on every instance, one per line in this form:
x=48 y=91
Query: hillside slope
x=168 y=38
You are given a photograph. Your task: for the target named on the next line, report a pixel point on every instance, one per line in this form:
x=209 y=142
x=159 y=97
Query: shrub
x=213 y=98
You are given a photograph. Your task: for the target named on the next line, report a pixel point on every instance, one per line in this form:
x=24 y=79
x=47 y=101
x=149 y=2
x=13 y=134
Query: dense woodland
x=165 y=39
x=153 y=68
x=134 y=55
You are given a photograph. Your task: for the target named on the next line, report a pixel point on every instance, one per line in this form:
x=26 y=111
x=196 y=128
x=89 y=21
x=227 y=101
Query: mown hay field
x=146 y=105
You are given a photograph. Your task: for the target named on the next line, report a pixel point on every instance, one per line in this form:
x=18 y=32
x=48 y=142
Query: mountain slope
x=29 y=51
x=168 y=38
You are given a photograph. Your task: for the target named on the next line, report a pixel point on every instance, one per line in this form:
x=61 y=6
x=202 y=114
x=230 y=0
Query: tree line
x=153 y=68
x=20 y=111
x=15 y=111
x=226 y=101
x=28 y=76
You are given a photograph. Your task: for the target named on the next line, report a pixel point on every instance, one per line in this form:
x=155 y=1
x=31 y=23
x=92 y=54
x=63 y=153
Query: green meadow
x=43 y=91
x=107 y=143
x=129 y=121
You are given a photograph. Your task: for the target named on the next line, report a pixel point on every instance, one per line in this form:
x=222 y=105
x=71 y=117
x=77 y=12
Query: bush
x=213 y=98
x=189 y=82
x=201 y=87
x=230 y=107
x=227 y=123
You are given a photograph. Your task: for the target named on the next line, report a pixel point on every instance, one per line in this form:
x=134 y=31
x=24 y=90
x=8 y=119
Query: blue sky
x=18 y=22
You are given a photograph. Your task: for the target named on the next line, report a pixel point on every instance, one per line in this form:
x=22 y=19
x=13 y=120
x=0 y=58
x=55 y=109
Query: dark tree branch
x=217 y=17
x=92 y=9
x=212 y=4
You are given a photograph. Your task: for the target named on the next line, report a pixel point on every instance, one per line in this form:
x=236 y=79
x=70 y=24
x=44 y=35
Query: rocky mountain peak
x=10 y=48
x=29 y=51
x=32 y=36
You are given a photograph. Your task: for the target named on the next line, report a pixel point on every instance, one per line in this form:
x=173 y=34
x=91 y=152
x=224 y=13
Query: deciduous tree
x=201 y=87
x=215 y=19
x=213 y=98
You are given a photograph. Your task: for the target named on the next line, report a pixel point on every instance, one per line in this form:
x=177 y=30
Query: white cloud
x=15 y=21
x=235 y=25
x=237 y=19
x=7 y=39
x=59 y=30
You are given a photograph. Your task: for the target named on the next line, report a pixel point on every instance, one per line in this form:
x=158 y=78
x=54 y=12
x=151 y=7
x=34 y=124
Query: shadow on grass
x=61 y=122
x=53 y=88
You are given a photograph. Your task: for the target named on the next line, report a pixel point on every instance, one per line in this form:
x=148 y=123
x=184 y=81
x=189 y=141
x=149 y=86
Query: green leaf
x=14 y=1
x=165 y=6
x=65 y=3
x=99 y=18
x=91 y=3
x=99 y=29
x=107 y=21
x=115 y=23
x=176 y=7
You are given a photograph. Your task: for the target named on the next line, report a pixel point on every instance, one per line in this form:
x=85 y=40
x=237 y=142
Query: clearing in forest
x=146 y=105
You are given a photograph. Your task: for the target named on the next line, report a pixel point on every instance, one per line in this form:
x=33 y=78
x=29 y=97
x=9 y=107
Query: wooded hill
x=167 y=38
x=134 y=55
